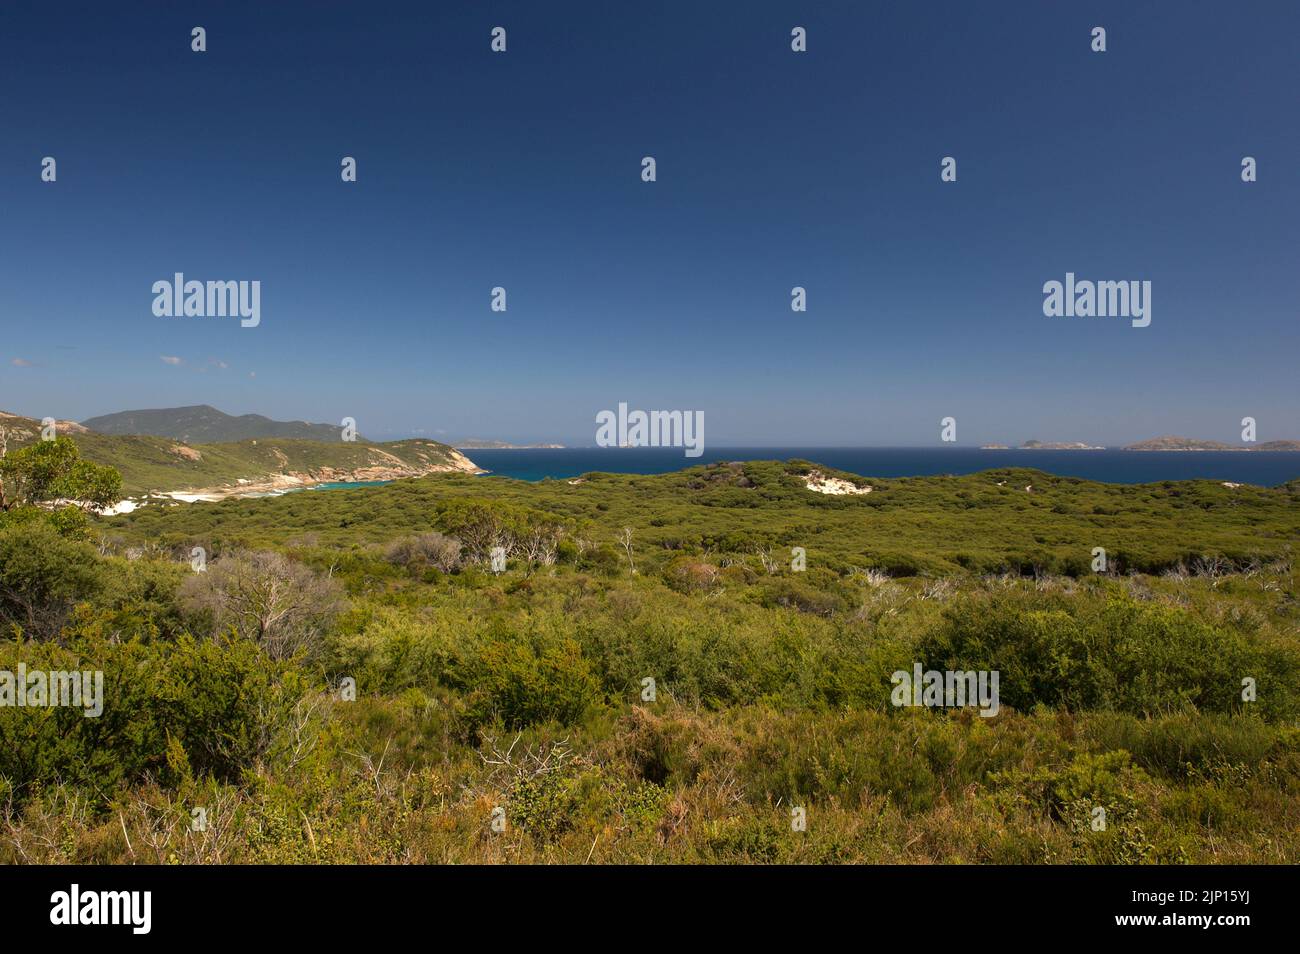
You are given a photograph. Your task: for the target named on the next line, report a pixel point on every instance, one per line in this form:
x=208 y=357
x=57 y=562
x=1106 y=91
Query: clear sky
x=775 y=169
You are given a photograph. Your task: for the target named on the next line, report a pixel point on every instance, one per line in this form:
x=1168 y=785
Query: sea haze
x=1264 y=468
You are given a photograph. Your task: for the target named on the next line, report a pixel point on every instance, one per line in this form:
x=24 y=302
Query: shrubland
x=650 y=679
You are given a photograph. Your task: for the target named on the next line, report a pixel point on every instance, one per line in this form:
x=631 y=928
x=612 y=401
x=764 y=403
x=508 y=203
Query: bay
x=1263 y=468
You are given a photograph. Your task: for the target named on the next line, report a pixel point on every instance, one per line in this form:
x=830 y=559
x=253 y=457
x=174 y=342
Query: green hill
x=163 y=465
x=203 y=424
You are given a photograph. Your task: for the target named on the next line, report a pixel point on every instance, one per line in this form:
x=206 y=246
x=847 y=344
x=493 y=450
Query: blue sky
x=775 y=169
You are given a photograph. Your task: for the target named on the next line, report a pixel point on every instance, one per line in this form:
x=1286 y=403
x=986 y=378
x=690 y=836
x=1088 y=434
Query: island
x=1058 y=445
x=1193 y=444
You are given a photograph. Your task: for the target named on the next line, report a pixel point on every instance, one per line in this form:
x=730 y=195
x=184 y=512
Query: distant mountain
x=1193 y=444
x=161 y=465
x=203 y=424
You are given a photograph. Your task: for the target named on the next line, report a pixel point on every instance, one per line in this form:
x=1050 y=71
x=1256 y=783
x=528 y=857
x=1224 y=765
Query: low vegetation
x=354 y=677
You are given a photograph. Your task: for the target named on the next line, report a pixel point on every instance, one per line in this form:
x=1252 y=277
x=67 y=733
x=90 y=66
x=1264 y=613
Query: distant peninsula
x=1044 y=445
x=1192 y=444
x=475 y=444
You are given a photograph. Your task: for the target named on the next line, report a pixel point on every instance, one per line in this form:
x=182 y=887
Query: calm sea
x=1264 y=468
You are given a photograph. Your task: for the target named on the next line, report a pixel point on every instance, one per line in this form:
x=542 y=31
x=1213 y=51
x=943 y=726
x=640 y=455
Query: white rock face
x=822 y=484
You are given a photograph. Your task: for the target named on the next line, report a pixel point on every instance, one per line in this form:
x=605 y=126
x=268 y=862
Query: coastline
x=275 y=485
x=1268 y=469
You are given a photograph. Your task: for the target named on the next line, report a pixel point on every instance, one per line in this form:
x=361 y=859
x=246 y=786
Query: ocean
x=1264 y=468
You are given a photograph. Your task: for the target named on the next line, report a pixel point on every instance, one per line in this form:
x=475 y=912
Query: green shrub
x=1140 y=658
x=522 y=684
x=42 y=576
x=170 y=709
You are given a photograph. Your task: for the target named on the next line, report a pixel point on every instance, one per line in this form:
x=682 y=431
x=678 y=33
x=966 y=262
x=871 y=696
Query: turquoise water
x=329 y=485
x=349 y=484
x=1263 y=468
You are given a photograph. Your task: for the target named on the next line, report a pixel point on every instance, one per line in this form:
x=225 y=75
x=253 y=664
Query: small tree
x=50 y=471
x=266 y=597
x=426 y=549
x=625 y=540
x=540 y=544
x=481 y=529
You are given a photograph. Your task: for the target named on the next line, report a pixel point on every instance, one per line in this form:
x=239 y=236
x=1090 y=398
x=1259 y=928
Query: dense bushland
x=983 y=523
x=349 y=679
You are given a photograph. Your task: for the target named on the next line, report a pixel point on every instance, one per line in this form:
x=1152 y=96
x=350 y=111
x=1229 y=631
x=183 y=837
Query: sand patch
x=820 y=483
